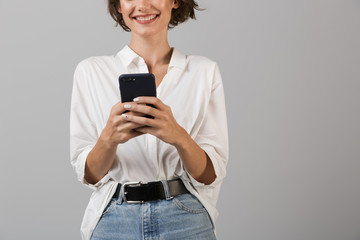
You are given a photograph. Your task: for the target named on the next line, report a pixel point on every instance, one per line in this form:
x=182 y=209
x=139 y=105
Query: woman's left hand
x=163 y=125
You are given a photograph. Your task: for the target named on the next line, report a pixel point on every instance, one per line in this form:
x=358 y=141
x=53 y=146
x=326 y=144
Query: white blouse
x=192 y=88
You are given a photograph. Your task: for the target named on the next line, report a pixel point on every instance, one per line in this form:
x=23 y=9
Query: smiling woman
x=140 y=16
x=153 y=177
x=184 y=11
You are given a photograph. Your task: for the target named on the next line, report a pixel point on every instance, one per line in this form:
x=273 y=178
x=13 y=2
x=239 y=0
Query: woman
x=176 y=159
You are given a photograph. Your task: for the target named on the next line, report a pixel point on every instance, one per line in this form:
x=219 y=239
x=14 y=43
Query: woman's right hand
x=119 y=130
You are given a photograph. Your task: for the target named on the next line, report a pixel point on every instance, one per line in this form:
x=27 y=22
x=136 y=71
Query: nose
x=143 y=5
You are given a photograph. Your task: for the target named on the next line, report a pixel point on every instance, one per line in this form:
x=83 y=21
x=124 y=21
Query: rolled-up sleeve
x=83 y=134
x=213 y=134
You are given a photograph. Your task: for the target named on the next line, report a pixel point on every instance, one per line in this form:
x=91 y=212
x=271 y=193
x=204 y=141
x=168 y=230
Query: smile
x=146 y=18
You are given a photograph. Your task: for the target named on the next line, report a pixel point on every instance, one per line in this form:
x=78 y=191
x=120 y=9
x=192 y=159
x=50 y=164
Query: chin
x=143 y=33
x=146 y=32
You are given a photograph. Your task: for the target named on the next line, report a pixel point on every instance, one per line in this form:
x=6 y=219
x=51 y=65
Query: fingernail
x=127 y=106
x=136 y=99
x=124 y=116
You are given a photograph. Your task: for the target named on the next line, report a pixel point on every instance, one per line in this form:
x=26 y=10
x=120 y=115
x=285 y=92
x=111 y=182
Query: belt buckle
x=123 y=192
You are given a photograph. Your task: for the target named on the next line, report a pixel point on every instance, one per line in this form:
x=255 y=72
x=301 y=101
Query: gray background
x=292 y=83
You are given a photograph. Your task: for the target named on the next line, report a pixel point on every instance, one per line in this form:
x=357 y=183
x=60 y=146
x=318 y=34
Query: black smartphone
x=136 y=85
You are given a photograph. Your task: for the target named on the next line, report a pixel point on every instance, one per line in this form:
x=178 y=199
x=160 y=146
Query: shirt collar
x=127 y=56
x=178 y=59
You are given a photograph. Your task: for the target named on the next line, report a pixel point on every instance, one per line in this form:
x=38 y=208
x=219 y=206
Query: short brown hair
x=185 y=11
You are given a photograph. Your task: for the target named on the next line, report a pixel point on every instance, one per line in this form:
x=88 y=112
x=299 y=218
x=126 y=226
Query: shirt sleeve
x=83 y=133
x=213 y=134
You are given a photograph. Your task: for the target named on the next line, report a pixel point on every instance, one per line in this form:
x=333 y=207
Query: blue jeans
x=182 y=217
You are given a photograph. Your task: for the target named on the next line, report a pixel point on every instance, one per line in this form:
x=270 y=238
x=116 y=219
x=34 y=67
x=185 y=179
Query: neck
x=155 y=50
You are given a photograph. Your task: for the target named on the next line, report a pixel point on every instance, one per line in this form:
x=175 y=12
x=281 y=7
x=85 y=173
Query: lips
x=145 y=19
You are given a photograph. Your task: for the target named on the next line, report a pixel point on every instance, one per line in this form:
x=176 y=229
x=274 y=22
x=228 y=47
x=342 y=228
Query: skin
x=151 y=43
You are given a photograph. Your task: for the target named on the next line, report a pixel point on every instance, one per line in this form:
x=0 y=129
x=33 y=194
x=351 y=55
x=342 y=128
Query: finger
x=121 y=124
x=135 y=133
x=129 y=135
x=133 y=113
x=151 y=100
x=118 y=120
x=129 y=126
x=118 y=108
x=141 y=120
x=147 y=129
x=140 y=108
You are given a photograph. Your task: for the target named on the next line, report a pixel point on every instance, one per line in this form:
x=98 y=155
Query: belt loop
x=120 y=199
x=166 y=189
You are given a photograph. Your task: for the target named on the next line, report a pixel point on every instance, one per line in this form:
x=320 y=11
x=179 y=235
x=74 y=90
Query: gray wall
x=292 y=82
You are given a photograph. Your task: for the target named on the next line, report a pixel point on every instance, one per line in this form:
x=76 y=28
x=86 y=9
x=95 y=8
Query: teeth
x=146 y=18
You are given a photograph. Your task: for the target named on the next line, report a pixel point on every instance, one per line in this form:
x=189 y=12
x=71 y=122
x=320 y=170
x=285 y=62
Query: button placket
x=152 y=150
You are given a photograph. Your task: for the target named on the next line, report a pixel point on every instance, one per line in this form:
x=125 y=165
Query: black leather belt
x=138 y=192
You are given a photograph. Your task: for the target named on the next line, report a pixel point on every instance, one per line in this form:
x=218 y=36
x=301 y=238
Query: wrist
x=105 y=141
x=182 y=140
